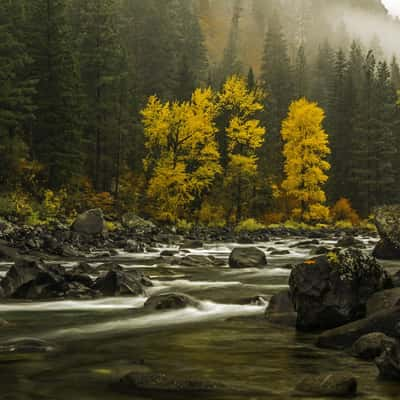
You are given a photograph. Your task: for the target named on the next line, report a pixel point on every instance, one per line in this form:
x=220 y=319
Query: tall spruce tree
x=57 y=129
x=276 y=76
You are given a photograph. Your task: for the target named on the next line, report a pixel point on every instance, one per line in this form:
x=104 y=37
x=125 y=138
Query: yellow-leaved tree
x=244 y=136
x=183 y=156
x=306 y=148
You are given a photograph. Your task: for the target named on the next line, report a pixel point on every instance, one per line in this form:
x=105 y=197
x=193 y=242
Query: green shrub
x=249 y=225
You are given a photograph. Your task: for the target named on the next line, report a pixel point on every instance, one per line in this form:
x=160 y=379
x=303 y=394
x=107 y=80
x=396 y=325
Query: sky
x=393 y=6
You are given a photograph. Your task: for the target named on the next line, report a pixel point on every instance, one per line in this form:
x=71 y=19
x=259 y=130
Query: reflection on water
x=223 y=339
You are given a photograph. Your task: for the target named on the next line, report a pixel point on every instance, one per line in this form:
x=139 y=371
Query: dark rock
x=191 y=244
x=154 y=383
x=344 y=336
x=109 y=266
x=384 y=250
x=171 y=301
x=369 y=346
x=388 y=362
x=335 y=384
x=83 y=268
x=168 y=253
x=119 y=283
x=383 y=300
x=247 y=257
x=245 y=240
x=306 y=244
x=350 y=241
x=197 y=260
x=396 y=279
x=26 y=345
x=90 y=222
x=333 y=289
x=280 y=310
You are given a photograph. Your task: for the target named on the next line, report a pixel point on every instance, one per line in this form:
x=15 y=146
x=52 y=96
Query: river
x=226 y=339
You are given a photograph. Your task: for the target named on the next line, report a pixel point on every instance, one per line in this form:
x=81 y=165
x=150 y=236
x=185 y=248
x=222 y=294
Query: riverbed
x=226 y=339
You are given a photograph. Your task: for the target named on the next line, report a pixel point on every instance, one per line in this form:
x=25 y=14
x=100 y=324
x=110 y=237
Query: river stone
x=335 y=384
x=90 y=222
x=279 y=253
x=333 y=289
x=350 y=241
x=385 y=321
x=171 y=301
x=119 y=283
x=387 y=221
x=199 y=260
x=382 y=300
x=26 y=345
x=369 y=346
x=8 y=252
x=156 y=382
x=388 y=362
x=247 y=257
x=3 y=323
x=280 y=310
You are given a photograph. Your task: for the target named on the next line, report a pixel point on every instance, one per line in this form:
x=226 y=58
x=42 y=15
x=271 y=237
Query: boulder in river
x=171 y=301
x=333 y=289
x=280 y=310
x=334 y=384
x=139 y=383
x=387 y=221
x=119 y=283
x=369 y=346
x=385 y=321
x=350 y=241
x=388 y=362
x=247 y=257
x=90 y=222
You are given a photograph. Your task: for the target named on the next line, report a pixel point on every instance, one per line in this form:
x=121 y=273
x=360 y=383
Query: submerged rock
x=369 y=346
x=156 y=382
x=90 y=222
x=387 y=221
x=191 y=244
x=333 y=289
x=247 y=257
x=385 y=321
x=335 y=384
x=171 y=301
x=26 y=345
x=280 y=310
x=383 y=300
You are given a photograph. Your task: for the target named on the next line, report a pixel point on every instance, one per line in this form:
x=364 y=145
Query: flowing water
x=226 y=339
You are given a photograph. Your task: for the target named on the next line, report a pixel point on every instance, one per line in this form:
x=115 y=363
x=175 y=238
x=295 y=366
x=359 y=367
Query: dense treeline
x=76 y=77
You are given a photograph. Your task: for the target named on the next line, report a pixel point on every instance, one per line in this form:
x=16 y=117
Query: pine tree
x=57 y=130
x=395 y=73
x=16 y=88
x=102 y=71
x=277 y=84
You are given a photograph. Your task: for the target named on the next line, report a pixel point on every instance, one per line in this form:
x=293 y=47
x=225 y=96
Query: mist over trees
x=75 y=116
